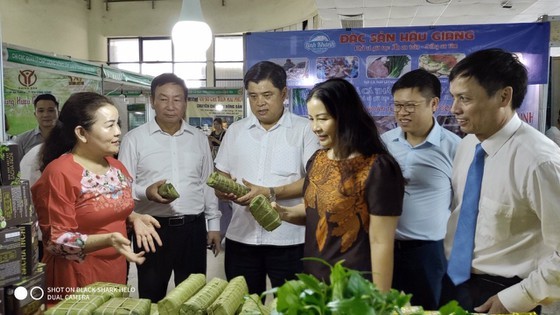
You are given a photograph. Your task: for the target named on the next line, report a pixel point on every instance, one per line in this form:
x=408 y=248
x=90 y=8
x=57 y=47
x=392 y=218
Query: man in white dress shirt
x=168 y=149
x=269 y=151
x=515 y=264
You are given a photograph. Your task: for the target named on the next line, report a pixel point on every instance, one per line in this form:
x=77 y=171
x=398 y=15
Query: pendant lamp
x=191 y=32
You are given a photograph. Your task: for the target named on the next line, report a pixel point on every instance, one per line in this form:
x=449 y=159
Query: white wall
x=56 y=26
x=67 y=27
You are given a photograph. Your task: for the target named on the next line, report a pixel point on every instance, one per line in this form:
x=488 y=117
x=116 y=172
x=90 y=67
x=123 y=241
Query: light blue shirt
x=427 y=168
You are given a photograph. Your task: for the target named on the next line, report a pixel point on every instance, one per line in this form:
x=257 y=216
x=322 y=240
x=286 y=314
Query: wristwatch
x=271 y=195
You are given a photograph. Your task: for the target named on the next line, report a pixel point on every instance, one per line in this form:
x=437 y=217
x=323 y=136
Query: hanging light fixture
x=191 y=32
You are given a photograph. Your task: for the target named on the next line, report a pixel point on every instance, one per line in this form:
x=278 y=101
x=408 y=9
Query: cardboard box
x=10 y=256
x=29 y=247
x=16 y=206
x=9 y=162
x=34 y=299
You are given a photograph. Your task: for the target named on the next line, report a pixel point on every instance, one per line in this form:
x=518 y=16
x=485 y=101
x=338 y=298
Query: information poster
x=203 y=105
x=374 y=58
x=22 y=85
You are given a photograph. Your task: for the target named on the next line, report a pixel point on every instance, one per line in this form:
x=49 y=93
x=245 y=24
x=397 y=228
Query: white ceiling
x=383 y=13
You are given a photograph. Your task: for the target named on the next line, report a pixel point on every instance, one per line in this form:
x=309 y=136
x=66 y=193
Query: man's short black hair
x=45 y=97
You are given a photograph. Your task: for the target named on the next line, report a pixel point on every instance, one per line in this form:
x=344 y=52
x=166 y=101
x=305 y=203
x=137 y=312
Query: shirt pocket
x=494 y=221
x=285 y=161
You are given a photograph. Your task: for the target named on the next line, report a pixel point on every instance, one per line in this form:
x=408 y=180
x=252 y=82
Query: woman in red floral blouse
x=84 y=199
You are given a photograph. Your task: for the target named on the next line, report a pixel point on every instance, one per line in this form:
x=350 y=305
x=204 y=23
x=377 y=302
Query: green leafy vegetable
x=396 y=64
x=348 y=293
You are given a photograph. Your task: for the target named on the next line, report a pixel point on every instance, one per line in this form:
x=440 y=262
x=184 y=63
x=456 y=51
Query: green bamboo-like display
x=264 y=213
x=231 y=298
x=253 y=306
x=198 y=304
x=76 y=306
x=226 y=185
x=124 y=306
x=171 y=303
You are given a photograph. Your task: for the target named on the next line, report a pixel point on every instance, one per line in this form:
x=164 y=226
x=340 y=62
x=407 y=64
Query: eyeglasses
x=409 y=108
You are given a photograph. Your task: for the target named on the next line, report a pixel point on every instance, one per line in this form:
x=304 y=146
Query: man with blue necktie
x=502 y=242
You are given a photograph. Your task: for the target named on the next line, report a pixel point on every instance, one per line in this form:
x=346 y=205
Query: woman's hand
x=122 y=245
x=145 y=231
x=295 y=215
x=255 y=190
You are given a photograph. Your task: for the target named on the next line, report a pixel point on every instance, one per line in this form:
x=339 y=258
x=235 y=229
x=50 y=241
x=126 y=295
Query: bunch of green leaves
x=396 y=64
x=3 y=149
x=452 y=308
x=348 y=293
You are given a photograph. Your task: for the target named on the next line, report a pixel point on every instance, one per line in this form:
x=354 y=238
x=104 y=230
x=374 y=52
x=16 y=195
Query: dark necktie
x=459 y=266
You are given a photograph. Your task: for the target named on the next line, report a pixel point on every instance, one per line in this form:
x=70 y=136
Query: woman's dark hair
x=355 y=128
x=78 y=110
x=494 y=69
x=218 y=120
x=266 y=70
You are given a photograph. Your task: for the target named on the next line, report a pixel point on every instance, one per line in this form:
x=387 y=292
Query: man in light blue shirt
x=425 y=152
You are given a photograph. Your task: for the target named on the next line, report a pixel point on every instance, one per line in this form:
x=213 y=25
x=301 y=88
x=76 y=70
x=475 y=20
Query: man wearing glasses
x=425 y=152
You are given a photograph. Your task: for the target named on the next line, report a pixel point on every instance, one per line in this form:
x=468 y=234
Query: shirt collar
x=497 y=140
x=153 y=127
x=285 y=120
x=434 y=137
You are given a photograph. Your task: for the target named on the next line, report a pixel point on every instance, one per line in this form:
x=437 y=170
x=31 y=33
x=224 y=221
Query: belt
x=179 y=220
x=496 y=280
x=411 y=243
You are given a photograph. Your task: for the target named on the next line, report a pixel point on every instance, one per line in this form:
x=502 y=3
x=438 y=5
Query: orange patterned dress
x=339 y=197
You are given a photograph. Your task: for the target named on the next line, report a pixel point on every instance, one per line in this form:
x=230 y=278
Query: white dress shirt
x=266 y=158
x=517 y=230
x=183 y=159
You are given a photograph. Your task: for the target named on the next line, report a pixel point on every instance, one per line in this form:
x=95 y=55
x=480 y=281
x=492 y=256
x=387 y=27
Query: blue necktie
x=459 y=266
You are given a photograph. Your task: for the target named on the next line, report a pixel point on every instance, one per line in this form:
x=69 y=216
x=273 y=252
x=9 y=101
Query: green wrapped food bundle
x=82 y=306
x=229 y=301
x=226 y=185
x=171 y=303
x=167 y=191
x=264 y=213
x=253 y=306
x=153 y=309
x=198 y=304
x=107 y=290
x=124 y=306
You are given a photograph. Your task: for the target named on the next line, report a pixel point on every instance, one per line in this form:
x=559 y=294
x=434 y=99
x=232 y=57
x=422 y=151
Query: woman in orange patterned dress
x=353 y=190
x=84 y=200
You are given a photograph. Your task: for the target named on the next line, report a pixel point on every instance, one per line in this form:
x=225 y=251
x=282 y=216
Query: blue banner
x=374 y=58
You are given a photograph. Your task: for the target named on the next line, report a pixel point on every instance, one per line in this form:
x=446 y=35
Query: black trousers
x=419 y=267
x=255 y=262
x=183 y=252
x=477 y=290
